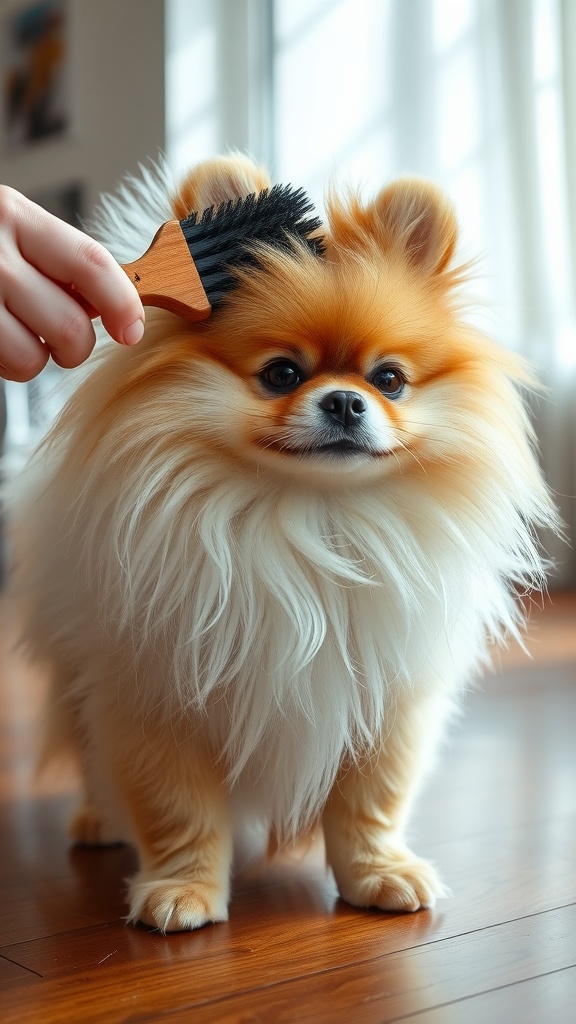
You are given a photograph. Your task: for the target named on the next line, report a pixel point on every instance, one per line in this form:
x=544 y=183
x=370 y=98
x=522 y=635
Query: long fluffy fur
x=190 y=584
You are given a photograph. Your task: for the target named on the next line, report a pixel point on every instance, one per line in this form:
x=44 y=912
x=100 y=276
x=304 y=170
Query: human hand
x=54 y=280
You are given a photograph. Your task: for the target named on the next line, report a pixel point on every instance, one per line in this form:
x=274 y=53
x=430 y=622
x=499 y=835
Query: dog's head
x=346 y=366
x=355 y=362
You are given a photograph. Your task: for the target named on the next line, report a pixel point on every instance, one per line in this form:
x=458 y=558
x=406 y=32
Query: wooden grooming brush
x=190 y=263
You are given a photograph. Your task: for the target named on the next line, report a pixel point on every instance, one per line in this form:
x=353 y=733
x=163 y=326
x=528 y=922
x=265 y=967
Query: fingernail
x=133 y=334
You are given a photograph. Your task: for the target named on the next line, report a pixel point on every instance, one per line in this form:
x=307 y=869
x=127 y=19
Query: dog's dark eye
x=389 y=380
x=281 y=375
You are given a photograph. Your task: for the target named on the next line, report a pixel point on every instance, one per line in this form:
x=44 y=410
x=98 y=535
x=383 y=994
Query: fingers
x=70 y=257
x=22 y=354
x=53 y=281
x=48 y=312
x=88 y=308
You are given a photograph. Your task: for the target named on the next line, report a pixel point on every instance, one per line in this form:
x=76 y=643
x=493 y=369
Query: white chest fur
x=294 y=620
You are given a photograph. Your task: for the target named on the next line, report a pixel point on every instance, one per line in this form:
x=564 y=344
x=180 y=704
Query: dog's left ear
x=411 y=219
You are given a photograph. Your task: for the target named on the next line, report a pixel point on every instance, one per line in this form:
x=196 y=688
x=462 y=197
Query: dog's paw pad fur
x=399 y=884
x=172 y=905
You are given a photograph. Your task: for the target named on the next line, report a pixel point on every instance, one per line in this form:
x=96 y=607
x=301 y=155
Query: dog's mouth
x=342 y=447
x=345 y=448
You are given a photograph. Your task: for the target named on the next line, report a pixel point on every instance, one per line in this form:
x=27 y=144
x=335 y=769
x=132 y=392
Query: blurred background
x=479 y=95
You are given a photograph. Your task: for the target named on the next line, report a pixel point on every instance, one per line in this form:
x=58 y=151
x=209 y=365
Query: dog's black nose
x=346 y=407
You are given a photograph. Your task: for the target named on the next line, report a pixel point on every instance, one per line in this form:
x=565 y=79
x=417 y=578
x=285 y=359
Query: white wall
x=117 y=83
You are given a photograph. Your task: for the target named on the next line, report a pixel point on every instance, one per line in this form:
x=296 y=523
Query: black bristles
x=222 y=237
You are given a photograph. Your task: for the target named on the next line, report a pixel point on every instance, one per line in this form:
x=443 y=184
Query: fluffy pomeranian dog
x=261 y=556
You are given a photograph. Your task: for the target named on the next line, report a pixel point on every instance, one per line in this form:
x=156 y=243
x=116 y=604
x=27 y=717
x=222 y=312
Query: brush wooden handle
x=166 y=275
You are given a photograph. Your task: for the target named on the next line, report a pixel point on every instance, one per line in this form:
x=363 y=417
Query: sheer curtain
x=481 y=96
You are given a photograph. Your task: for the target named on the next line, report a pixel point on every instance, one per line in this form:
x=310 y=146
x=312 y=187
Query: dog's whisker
x=410 y=451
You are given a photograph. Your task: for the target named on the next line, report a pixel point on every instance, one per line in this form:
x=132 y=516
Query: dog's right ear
x=415 y=216
x=216 y=181
x=411 y=218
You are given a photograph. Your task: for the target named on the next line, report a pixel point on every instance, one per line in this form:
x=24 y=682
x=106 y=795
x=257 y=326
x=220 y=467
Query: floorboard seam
x=22 y=966
x=56 y=935
x=477 y=995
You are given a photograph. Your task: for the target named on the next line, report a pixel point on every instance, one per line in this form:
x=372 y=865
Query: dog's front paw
x=395 y=881
x=173 y=905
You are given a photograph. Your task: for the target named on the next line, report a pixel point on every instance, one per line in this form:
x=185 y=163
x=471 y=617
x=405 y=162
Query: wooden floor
x=498 y=816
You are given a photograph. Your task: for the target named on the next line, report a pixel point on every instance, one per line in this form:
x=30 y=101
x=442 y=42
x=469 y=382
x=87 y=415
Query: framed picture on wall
x=35 y=78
